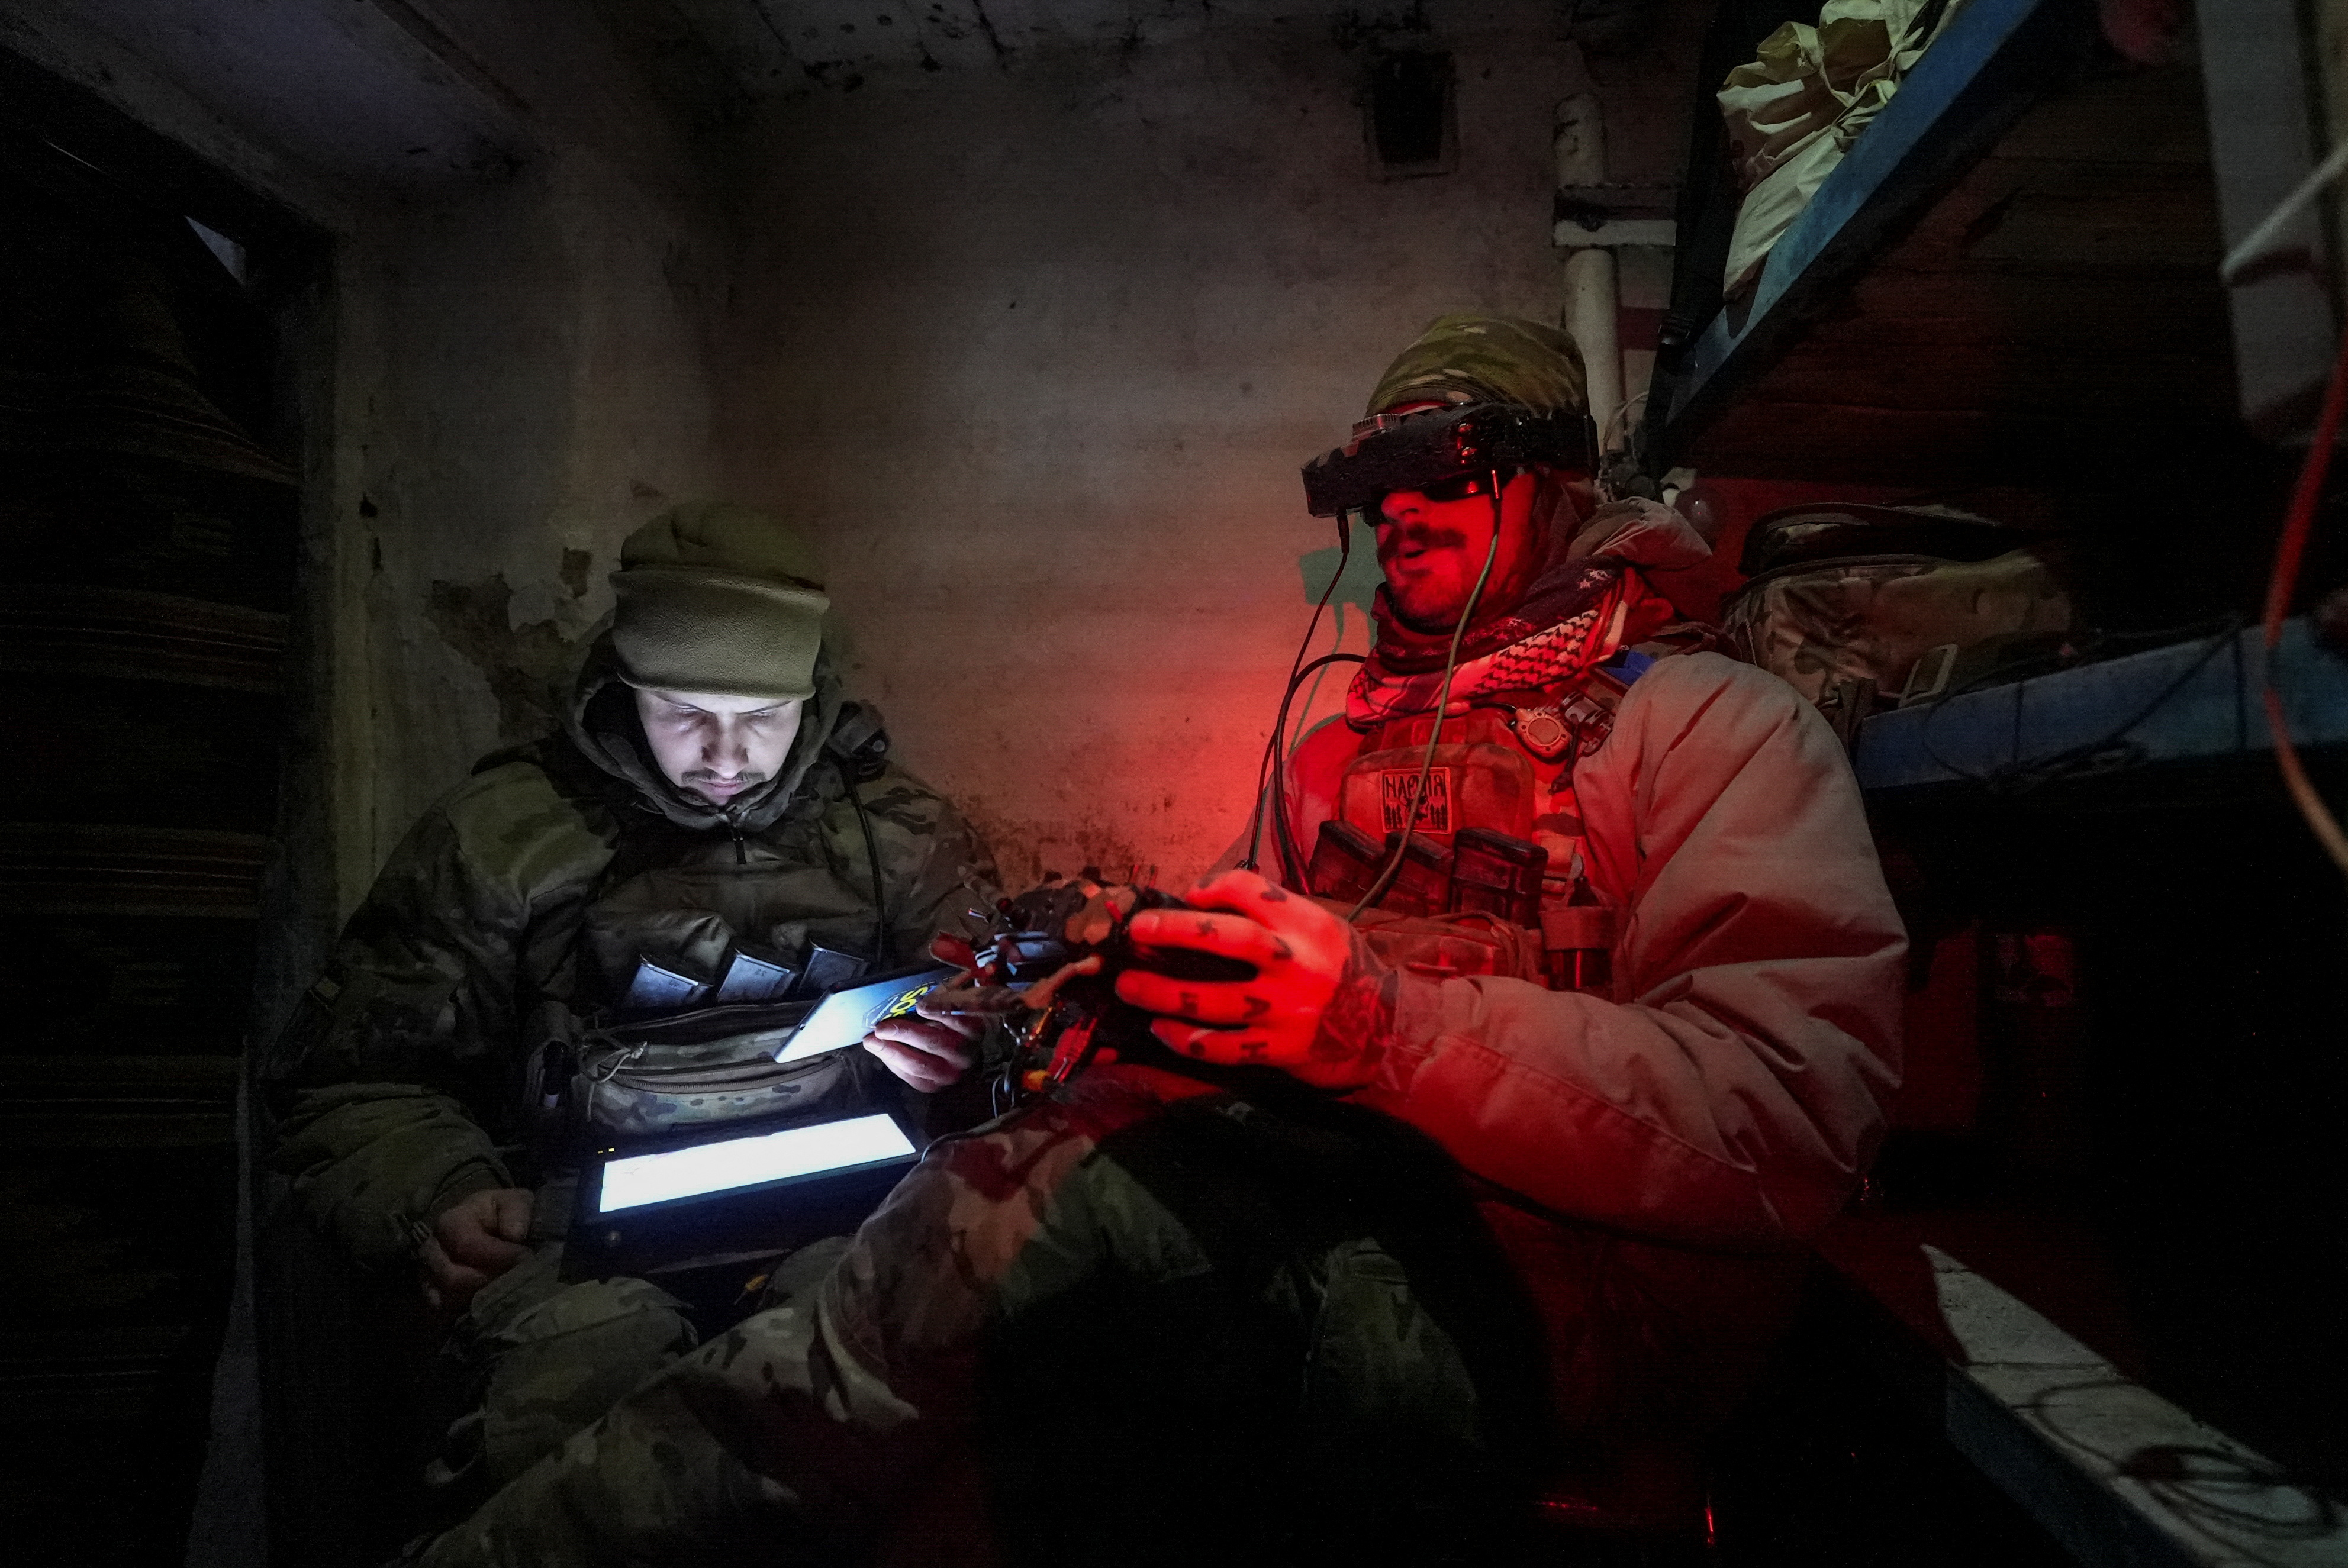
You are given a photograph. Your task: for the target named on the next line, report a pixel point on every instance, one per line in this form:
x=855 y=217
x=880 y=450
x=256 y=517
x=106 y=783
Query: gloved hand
x=1319 y=1007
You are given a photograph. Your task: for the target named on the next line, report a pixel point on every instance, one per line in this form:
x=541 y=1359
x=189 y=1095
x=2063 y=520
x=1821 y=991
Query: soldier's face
x=1431 y=547
x=714 y=746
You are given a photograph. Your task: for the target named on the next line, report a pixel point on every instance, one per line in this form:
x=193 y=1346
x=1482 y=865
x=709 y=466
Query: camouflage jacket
x=528 y=893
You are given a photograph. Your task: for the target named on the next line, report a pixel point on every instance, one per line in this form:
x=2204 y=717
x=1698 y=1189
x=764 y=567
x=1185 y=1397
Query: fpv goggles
x=1391 y=452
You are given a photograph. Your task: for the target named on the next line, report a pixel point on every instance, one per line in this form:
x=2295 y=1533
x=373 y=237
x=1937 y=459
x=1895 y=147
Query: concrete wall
x=522 y=376
x=1034 y=342
x=1037 y=353
x=524 y=381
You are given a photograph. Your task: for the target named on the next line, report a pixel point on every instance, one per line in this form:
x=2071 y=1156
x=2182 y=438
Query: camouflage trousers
x=542 y=1359
x=1143 y=1322
x=537 y=1360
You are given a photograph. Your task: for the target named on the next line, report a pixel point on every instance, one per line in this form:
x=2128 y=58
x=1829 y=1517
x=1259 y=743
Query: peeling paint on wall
x=1028 y=849
x=1033 y=354
x=538 y=390
x=529 y=668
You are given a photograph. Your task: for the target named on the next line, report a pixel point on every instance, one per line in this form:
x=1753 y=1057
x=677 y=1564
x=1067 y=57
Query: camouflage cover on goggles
x=1391 y=452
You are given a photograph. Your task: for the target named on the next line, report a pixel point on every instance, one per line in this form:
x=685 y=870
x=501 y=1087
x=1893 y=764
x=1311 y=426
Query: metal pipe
x=1589 y=316
x=1579 y=145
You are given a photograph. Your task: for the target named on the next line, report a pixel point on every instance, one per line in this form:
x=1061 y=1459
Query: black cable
x=883 y=950
x=2098 y=646
x=1434 y=736
x=1268 y=770
x=2018 y=775
x=1292 y=865
x=2164 y=1469
x=1255 y=829
x=2089 y=650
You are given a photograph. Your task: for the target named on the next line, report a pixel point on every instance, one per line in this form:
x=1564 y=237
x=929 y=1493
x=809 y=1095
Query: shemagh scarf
x=1574 y=616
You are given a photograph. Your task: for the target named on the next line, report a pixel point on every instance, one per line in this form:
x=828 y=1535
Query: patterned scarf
x=1573 y=616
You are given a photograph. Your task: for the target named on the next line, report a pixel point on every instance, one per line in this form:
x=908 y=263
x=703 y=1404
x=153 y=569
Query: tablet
x=683 y=1201
x=846 y=1017
x=760 y=1159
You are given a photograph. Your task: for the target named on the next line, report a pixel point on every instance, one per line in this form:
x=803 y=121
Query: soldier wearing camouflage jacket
x=516 y=912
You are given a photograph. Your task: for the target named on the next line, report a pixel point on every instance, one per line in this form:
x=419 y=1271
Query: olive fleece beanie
x=720 y=598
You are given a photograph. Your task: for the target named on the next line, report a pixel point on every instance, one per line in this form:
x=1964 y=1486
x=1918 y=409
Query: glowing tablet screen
x=635 y=1180
x=844 y=1017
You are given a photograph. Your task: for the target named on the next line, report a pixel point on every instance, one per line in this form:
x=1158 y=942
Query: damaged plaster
x=1031 y=330
x=1077 y=326
x=528 y=666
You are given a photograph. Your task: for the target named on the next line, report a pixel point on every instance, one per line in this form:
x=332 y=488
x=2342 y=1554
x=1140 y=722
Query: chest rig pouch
x=1492 y=880
x=691 y=1041
x=698 y=1068
x=705 y=952
x=1481 y=779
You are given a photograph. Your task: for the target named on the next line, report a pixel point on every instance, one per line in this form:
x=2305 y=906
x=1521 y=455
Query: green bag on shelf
x=1794 y=110
x=1861 y=608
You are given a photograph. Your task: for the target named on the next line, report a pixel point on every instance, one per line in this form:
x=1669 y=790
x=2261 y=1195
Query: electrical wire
x=1292 y=864
x=2299 y=523
x=2018 y=775
x=1435 y=736
x=2260 y=238
x=1623 y=414
x=1267 y=771
x=883 y=953
x=2165 y=1470
x=2088 y=648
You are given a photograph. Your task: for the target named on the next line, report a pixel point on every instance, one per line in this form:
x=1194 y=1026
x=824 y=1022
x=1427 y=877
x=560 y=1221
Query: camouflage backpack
x=1859 y=608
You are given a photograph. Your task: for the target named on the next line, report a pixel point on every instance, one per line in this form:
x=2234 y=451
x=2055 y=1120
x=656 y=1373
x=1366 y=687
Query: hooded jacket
x=1729 y=1087
x=523 y=899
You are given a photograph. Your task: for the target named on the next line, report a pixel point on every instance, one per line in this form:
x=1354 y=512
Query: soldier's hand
x=1318 y=1007
x=473 y=1241
x=930 y=1053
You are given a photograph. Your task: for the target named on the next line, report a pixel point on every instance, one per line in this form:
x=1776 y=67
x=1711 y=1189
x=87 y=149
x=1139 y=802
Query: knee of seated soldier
x=624 y=1308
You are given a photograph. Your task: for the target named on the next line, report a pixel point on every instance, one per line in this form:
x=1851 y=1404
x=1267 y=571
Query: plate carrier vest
x=1493 y=880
